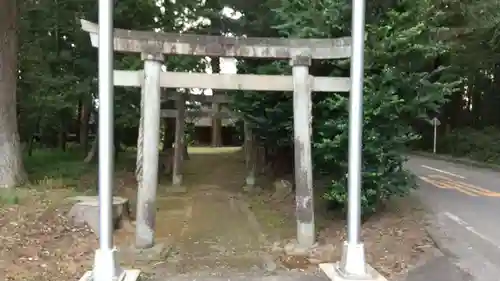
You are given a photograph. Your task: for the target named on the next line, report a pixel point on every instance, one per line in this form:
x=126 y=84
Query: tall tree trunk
x=31 y=140
x=78 y=117
x=84 y=125
x=11 y=166
x=62 y=132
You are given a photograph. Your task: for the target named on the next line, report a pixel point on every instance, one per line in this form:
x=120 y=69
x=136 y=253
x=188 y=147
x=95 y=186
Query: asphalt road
x=465 y=202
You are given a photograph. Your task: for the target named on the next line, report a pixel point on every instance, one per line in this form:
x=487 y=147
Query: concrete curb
x=462 y=161
x=439 y=238
x=473 y=266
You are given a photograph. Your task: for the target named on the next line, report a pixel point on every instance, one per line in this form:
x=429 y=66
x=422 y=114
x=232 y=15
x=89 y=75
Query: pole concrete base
x=107 y=268
x=352 y=267
x=127 y=275
x=353 y=262
x=333 y=273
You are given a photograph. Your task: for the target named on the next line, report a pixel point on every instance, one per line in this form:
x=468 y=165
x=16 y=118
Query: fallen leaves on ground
x=395 y=239
x=38 y=243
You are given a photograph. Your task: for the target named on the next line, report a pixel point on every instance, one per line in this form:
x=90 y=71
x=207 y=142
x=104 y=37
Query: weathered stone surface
x=282 y=188
x=159 y=252
x=268 y=263
x=206 y=45
x=322 y=253
x=294 y=249
x=86 y=211
x=276 y=248
x=316 y=254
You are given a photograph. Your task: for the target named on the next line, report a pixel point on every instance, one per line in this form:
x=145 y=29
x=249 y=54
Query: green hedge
x=480 y=145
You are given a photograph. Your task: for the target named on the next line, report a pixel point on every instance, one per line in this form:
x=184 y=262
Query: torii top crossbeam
x=204 y=45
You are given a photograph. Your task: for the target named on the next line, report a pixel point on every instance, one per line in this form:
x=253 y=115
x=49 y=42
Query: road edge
x=449 y=158
x=474 y=265
x=441 y=241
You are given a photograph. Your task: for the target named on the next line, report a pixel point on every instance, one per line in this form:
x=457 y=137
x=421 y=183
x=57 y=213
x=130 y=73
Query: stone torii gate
x=218 y=99
x=180 y=113
x=152 y=46
x=249 y=146
x=212 y=111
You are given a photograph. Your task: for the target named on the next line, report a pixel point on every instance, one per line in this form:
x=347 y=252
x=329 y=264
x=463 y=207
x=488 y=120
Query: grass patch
x=13 y=196
x=56 y=169
x=53 y=168
x=9 y=196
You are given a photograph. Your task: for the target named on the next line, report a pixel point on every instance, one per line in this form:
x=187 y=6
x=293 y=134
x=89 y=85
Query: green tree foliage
x=480 y=145
x=423 y=59
x=470 y=120
x=405 y=80
x=58 y=65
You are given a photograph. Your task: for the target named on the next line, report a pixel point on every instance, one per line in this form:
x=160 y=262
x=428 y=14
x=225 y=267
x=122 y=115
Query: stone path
x=210 y=231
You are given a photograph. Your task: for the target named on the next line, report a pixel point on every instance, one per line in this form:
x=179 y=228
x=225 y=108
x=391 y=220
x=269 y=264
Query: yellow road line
x=473 y=188
x=469 y=189
x=445 y=185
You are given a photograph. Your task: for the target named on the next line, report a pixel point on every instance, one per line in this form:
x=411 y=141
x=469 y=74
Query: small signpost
x=435 y=124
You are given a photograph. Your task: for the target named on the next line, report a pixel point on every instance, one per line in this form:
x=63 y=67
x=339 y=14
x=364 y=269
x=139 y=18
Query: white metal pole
x=356 y=122
x=353 y=260
x=105 y=266
x=106 y=165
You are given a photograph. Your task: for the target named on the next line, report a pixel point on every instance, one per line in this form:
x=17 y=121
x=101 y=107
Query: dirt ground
x=395 y=240
x=37 y=243
x=212 y=229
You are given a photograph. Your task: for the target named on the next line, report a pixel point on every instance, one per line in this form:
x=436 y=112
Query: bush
x=384 y=137
x=480 y=145
x=396 y=92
